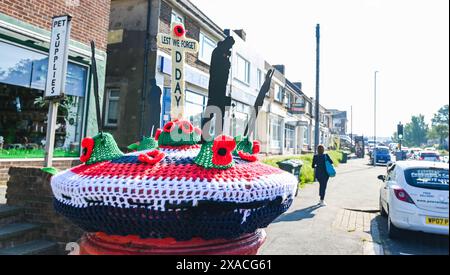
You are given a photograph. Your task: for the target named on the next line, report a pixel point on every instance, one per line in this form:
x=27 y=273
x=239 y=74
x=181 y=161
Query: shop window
x=112 y=107
x=23 y=110
x=243 y=69
x=207 y=46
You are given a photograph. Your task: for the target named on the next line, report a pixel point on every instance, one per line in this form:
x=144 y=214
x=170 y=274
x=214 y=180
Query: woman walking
x=320 y=171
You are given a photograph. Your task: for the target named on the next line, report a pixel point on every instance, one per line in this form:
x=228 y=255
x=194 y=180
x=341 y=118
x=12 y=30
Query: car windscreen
x=428 y=155
x=429 y=178
x=382 y=151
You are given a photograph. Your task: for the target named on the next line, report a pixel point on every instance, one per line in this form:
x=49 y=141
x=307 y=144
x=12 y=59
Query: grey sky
x=406 y=40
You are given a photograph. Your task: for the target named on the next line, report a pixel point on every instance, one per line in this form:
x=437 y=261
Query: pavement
x=349 y=225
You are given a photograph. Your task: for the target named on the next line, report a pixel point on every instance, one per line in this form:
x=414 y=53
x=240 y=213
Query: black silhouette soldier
x=259 y=103
x=218 y=78
x=154 y=105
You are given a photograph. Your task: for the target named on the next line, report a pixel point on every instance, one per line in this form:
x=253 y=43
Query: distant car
x=380 y=154
x=415 y=196
x=430 y=149
x=413 y=152
x=428 y=156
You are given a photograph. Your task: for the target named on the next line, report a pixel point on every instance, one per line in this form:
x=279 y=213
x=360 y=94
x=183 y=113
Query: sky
x=407 y=41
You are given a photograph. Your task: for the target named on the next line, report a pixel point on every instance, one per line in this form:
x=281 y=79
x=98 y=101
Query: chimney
x=298 y=85
x=280 y=68
x=241 y=33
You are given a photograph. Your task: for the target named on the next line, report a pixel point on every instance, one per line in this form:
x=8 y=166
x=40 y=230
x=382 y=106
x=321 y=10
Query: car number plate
x=437 y=221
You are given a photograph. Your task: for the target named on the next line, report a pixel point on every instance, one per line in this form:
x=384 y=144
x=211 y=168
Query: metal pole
x=50 y=139
x=351 y=128
x=317 y=111
x=375 y=120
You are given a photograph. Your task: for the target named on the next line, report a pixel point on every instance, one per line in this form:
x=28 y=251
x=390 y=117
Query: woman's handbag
x=330 y=168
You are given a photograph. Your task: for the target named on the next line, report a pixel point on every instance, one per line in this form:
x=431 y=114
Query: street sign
x=179 y=45
x=298 y=108
x=57 y=58
x=56 y=76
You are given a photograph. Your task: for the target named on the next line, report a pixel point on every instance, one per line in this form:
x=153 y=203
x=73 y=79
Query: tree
x=415 y=132
x=439 y=128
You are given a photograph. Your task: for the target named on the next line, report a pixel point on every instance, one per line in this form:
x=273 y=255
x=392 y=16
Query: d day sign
x=58 y=55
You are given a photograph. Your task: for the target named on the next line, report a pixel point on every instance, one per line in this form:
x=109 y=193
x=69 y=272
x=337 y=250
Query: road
x=350 y=224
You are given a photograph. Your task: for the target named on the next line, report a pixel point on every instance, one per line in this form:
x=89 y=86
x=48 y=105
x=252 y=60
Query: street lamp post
x=375 y=121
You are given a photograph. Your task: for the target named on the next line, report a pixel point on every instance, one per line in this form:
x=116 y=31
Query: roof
x=406 y=164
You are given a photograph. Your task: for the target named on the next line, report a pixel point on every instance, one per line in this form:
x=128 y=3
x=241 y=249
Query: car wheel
x=383 y=212
x=393 y=231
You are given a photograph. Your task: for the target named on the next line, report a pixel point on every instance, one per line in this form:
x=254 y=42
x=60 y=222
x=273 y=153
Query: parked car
x=415 y=196
x=429 y=156
x=380 y=154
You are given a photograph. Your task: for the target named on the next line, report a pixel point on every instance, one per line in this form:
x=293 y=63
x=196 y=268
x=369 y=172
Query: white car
x=414 y=196
x=428 y=156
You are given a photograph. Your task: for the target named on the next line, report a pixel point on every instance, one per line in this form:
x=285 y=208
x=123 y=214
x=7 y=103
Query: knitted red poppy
x=152 y=157
x=247 y=157
x=87 y=146
x=157 y=134
x=179 y=30
x=168 y=127
x=185 y=126
x=222 y=150
x=256 y=147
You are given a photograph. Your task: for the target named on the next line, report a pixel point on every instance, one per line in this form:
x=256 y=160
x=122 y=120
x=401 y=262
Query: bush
x=307 y=172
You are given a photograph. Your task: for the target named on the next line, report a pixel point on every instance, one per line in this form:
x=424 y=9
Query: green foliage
x=36 y=153
x=439 y=128
x=307 y=172
x=416 y=131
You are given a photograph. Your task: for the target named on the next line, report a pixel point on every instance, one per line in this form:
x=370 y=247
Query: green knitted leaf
x=178 y=138
x=133 y=146
x=147 y=143
x=105 y=148
x=244 y=145
x=204 y=157
x=50 y=170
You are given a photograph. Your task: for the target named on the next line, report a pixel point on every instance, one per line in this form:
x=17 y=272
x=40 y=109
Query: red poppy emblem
x=185 y=126
x=152 y=157
x=256 y=147
x=87 y=146
x=157 y=134
x=179 y=30
x=222 y=150
x=168 y=127
x=247 y=156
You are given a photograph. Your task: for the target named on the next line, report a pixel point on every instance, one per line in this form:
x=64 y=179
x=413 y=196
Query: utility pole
x=375 y=121
x=317 y=110
x=351 y=128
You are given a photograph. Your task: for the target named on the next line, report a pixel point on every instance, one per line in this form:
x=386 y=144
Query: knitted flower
x=169 y=127
x=185 y=126
x=87 y=146
x=100 y=148
x=158 y=132
x=222 y=150
x=152 y=157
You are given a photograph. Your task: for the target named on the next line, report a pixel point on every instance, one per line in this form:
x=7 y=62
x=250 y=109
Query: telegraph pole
x=375 y=121
x=317 y=110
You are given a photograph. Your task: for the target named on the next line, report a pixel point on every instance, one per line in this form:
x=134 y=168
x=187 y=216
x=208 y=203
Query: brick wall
x=90 y=17
x=193 y=32
x=61 y=164
x=29 y=188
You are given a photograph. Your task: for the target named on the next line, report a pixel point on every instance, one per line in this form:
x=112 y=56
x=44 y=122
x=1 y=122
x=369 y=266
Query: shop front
x=23 y=111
